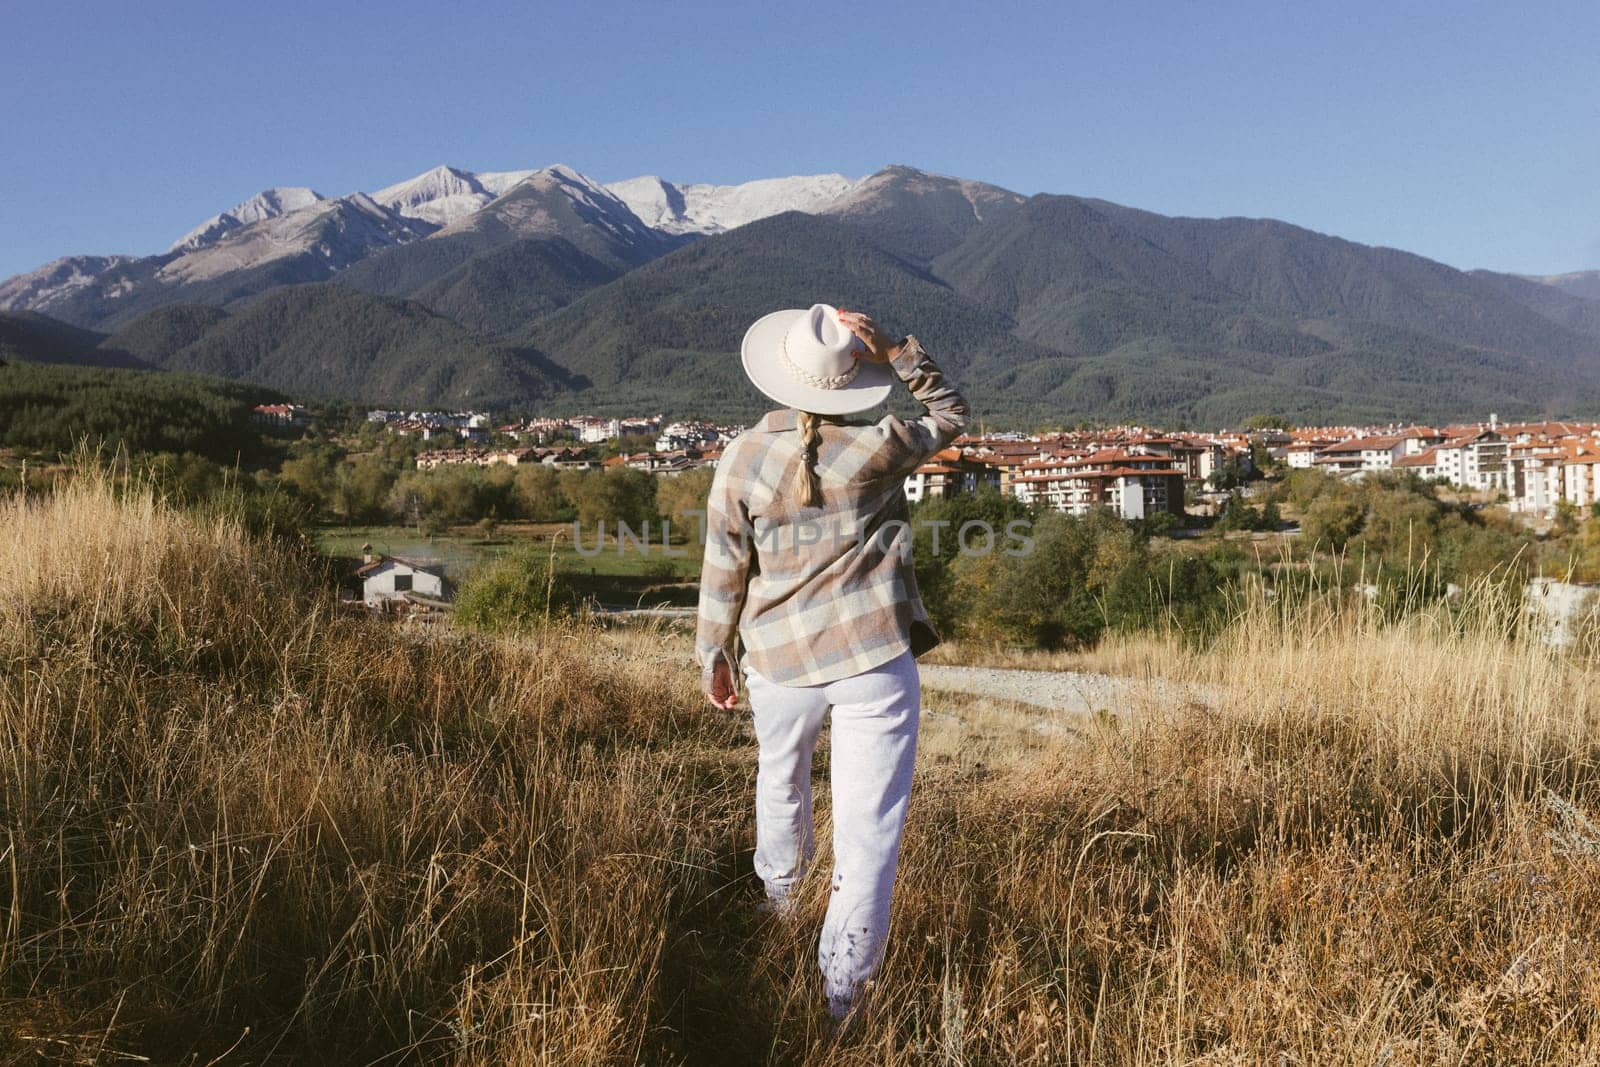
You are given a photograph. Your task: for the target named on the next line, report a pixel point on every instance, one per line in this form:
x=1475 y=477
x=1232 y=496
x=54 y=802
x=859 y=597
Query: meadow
x=634 y=574
x=241 y=826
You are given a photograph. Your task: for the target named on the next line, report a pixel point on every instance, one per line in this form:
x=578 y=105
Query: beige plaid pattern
x=819 y=594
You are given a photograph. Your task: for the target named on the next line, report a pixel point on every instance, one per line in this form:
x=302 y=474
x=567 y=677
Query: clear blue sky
x=1469 y=132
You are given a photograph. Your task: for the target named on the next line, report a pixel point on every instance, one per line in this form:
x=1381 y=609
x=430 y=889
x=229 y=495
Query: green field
x=629 y=574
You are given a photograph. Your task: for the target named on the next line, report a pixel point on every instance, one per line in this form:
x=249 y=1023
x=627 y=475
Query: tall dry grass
x=239 y=827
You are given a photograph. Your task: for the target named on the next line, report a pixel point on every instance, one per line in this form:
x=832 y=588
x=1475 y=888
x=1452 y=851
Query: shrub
x=520 y=589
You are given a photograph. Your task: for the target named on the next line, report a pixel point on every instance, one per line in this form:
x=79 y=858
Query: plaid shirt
x=819 y=594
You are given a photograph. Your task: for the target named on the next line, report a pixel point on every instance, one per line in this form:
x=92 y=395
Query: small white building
x=1302 y=454
x=388 y=581
x=1561 y=610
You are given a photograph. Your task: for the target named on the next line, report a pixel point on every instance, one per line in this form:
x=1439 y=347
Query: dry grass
x=239 y=826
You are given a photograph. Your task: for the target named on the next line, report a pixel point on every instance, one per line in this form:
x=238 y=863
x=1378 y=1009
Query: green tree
x=610 y=496
x=681 y=499
x=310 y=476
x=1228 y=476
x=937 y=525
x=537 y=494
x=362 y=489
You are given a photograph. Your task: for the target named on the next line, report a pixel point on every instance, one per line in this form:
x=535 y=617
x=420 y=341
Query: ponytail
x=807 y=489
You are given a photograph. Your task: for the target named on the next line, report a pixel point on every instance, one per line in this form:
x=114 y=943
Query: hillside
x=259 y=828
x=1056 y=314
x=1295 y=270
x=670 y=330
x=499 y=291
x=308 y=244
x=560 y=202
x=326 y=340
x=55 y=409
x=156 y=335
x=28 y=337
x=565 y=232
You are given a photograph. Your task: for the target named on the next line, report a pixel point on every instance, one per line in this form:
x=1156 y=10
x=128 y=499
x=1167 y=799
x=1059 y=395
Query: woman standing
x=808 y=564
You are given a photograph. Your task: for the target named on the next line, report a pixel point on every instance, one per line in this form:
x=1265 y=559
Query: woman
x=808 y=565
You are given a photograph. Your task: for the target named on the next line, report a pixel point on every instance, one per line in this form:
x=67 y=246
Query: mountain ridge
x=545 y=286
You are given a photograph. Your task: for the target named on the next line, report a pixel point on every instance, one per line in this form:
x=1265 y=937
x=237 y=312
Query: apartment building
x=1135 y=485
x=949 y=473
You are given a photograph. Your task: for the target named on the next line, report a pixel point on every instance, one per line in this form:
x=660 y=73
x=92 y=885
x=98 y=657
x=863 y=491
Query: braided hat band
x=800 y=374
x=801 y=359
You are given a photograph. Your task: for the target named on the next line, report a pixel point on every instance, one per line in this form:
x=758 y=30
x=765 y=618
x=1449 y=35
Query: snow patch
x=60 y=278
x=701 y=208
x=337 y=232
x=267 y=204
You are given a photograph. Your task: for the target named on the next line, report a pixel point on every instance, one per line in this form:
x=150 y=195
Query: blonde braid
x=807 y=489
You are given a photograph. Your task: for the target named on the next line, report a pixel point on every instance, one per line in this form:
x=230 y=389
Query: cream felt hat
x=807 y=359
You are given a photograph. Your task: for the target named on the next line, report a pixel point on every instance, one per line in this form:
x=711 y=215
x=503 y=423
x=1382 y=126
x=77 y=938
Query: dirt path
x=1074 y=692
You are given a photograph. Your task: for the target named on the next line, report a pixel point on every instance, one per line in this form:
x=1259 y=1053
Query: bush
x=1393 y=521
x=936 y=527
x=521 y=589
x=1084 y=576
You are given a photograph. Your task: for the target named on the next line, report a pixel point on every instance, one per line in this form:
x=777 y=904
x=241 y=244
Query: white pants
x=874 y=745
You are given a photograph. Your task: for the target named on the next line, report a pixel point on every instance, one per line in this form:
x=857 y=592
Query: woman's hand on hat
x=880 y=347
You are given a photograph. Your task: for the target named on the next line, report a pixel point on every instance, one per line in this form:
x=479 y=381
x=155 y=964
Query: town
x=1536 y=468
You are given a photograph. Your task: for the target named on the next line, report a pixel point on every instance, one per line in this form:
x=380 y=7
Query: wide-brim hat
x=806 y=358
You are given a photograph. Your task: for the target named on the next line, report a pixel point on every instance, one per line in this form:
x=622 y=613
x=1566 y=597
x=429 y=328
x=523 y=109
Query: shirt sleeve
x=911 y=441
x=725 y=572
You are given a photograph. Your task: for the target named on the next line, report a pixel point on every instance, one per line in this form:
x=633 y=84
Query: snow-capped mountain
x=498 y=181
x=439 y=196
x=293 y=234
x=918 y=214
x=56 y=280
x=561 y=202
x=268 y=204
x=700 y=208
x=335 y=233
x=444 y=194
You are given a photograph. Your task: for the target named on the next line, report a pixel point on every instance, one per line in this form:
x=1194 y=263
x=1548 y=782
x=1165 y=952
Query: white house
x=1302 y=454
x=1362 y=454
x=388 y=580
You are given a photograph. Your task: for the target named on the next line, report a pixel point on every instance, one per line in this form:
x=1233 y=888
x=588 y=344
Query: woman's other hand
x=880 y=347
x=719 y=686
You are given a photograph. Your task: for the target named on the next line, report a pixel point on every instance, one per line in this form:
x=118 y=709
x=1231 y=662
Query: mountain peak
x=919 y=214
x=439 y=196
x=703 y=208
x=267 y=204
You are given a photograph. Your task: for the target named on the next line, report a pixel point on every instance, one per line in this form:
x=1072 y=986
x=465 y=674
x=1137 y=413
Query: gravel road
x=1070 y=691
